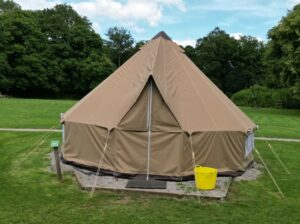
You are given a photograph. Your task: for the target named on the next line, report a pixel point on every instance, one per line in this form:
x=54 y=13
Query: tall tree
x=21 y=42
x=250 y=60
x=53 y=51
x=120 y=42
x=8 y=5
x=71 y=42
x=283 y=52
x=231 y=64
x=215 y=55
x=190 y=51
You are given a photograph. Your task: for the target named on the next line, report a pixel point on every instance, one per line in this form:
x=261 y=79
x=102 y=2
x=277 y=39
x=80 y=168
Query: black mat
x=146 y=184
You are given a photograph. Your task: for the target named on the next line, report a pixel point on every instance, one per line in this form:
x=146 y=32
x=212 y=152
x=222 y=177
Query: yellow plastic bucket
x=205 y=177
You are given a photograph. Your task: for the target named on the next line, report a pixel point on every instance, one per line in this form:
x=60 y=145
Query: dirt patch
x=252 y=173
x=184 y=188
x=64 y=167
x=123 y=201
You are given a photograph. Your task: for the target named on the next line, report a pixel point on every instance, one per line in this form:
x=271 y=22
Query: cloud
x=128 y=13
x=270 y=8
x=237 y=36
x=178 y=3
x=96 y=26
x=131 y=11
x=40 y=4
x=186 y=42
x=259 y=38
x=292 y=3
x=134 y=27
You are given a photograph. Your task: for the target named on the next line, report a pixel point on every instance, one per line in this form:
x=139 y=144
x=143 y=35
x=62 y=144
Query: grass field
x=275 y=122
x=31 y=113
x=31 y=194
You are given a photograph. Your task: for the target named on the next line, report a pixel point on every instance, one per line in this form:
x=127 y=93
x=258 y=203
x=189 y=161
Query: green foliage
x=8 y=6
x=120 y=44
x=231 y=64
x=282 y=56
x=260 y=96
x=249 y=60
x=50 y=52
x=55 y=52
x=21 y=41
x=190 y=52
x=215 y=57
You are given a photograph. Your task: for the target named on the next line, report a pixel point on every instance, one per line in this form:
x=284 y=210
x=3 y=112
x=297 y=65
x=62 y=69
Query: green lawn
x=31 y=113
x=35 y=113
x=30 y=194
x=275 y=122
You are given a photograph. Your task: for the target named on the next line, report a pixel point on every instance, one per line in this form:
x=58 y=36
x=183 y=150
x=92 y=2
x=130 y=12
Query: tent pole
x=149 y=121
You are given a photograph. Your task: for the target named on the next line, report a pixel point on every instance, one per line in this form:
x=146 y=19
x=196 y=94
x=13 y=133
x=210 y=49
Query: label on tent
x=54 y=143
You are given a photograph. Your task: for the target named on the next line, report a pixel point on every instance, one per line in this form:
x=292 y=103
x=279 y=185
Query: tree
x=250 y=60
x=8 y=6
x=190 y=52
x=282 y=56
x=231 y=64
x=215 y=56
x=50 y=52
x=120 y=43
x=21 y=41
x=133 y=49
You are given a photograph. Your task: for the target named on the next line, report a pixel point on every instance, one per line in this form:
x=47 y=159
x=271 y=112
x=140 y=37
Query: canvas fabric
x=189 y=115
x=196 y=103
x=170 y=155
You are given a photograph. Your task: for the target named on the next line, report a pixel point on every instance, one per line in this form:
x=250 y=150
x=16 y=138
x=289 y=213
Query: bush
x=261 y=96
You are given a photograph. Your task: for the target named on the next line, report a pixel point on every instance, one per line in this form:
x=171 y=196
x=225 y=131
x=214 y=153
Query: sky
x=183 y=20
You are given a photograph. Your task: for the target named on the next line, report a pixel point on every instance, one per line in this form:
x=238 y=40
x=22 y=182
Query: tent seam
x=187 y=74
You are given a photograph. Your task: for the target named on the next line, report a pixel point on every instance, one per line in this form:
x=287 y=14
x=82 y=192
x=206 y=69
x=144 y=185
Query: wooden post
x=55 y=145
x=57 y=163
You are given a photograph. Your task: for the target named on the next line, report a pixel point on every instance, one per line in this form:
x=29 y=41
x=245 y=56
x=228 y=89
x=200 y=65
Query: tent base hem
x=143 y=176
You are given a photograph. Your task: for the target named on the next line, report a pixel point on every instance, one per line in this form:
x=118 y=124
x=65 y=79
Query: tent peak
x=163 y=35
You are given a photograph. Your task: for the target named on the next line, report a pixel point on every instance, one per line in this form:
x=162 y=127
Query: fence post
x=55 y=146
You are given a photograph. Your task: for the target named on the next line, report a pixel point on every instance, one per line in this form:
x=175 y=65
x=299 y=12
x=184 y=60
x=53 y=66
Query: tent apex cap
x=163 y=35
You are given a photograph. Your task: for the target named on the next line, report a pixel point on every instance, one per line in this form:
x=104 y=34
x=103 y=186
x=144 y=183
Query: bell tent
x=157 y=115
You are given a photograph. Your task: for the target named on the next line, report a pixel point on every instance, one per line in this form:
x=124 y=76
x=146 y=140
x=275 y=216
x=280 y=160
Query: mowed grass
x=280 y=123
x=31 y=194
x=31 y=113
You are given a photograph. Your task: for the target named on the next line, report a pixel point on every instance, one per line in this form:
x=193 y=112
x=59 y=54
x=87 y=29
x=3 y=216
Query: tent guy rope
x=36 y=145
x=275 y=154
x=270 y=174
x=194 y=162
x=99 y=165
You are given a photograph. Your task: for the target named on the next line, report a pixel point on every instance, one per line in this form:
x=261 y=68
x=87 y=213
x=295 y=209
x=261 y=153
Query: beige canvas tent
x=157 y=115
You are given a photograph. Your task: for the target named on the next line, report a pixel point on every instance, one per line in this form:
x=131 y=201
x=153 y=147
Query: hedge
x=260 y=96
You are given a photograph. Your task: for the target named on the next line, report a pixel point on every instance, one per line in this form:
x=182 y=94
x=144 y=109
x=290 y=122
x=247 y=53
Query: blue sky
x=184 y=20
